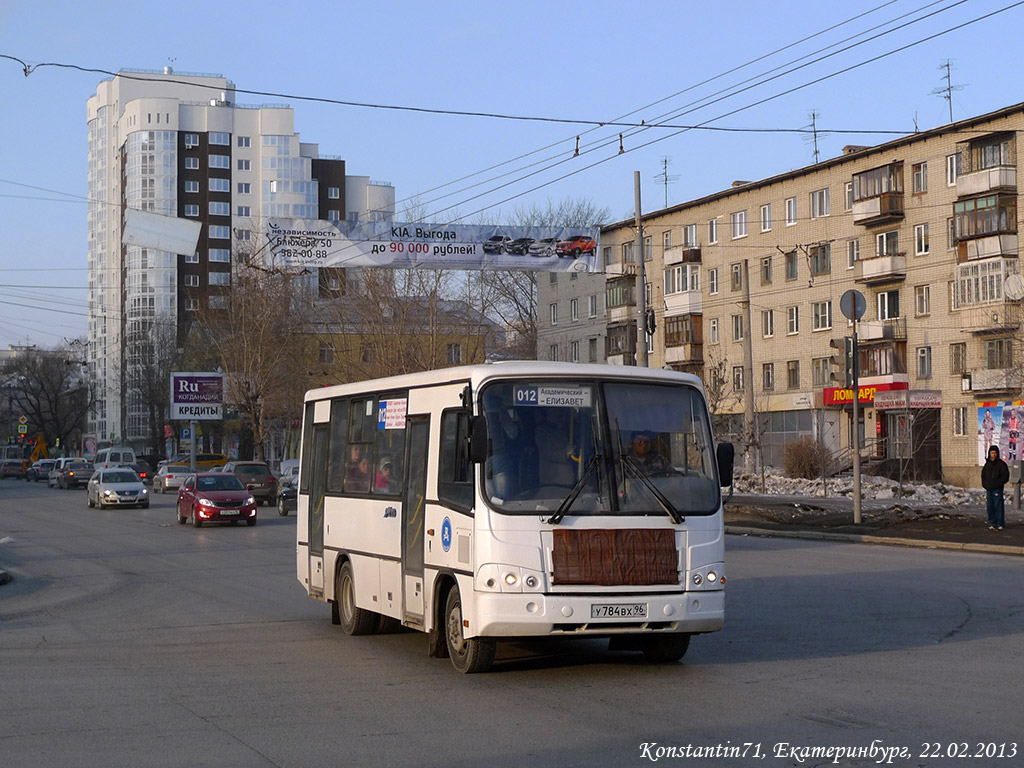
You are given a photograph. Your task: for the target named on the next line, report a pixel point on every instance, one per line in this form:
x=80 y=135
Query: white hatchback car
x=118 y=487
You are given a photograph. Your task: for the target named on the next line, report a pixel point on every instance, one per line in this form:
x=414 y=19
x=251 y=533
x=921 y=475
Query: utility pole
x=855 y=365
x=748 y=373
x=641 y=271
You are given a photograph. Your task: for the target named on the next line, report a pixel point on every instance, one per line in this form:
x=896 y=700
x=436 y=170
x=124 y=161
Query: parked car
x=120 y=487
x=520 y=246
x=114 y=457
x=214 y=498
x=75 y=474
x=497 y=244
x=576 y=246
x=289 y=469
x=257 y=477
x=12 y=468
x=142 y=469
x=39 y=470
x=53 y=479
x=544 y=247
x=170 y=476
x=288 y=496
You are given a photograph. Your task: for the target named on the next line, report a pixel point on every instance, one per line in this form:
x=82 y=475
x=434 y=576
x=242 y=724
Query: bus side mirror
x=478 y=439
x=725 y=453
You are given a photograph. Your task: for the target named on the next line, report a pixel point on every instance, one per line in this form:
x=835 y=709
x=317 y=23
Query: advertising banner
x=833 y=396
x=197 y=396
x=999 y=425
x=314 y=243
x=917 y=398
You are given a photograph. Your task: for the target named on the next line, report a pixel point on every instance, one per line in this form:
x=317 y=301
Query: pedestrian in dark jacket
x=994 y=475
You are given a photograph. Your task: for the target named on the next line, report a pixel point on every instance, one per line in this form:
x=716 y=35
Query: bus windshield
x=599 y=448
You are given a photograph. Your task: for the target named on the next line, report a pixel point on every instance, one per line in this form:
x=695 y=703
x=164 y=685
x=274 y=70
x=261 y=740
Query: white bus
x=516 y=500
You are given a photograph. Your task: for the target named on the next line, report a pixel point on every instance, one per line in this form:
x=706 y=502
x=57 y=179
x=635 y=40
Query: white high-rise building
x=178 y=144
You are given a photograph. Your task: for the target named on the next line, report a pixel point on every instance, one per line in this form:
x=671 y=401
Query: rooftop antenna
x=946 y=92
x=664 y=176
x=814 y=132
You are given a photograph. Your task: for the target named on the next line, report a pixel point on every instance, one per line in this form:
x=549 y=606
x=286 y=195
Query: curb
x=855 y=538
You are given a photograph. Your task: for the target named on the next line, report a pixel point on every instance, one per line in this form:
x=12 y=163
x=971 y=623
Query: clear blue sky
x=573 y=60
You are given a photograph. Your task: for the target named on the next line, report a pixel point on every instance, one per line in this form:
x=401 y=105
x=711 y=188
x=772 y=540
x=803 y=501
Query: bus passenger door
x=317 y=486
x=413 y=514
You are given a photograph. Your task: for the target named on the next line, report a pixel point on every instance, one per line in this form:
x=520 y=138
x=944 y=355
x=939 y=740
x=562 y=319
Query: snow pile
x=871 y=488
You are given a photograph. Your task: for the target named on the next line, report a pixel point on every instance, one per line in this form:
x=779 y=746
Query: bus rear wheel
x=468 y=655
x=354 y=621
x=665 y=649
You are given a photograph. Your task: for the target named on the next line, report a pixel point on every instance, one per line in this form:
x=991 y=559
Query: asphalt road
x=128 y=640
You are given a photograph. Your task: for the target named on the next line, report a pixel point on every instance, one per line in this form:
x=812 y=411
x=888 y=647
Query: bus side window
x=306 y=459
x=337 y=443
x=455 y=478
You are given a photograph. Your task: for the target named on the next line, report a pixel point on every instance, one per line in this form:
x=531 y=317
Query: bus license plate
x=618 y=611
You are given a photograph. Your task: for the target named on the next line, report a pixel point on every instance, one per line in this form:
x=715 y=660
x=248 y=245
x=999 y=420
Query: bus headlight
x=511 y=578
x=495 y=577
x=707 y=577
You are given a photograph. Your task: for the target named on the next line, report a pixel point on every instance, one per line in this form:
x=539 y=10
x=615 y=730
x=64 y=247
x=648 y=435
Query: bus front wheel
x=468 y=655
x=354 y=621
x=666 y=649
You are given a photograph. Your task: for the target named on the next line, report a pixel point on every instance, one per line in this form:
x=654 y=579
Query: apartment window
x=191 y=140
x=244 y=188
x=220 y=139
x=768 y=322
x=848 y=195
x=192 y=281
x=821 y=259
x=326 y=354
x=245 y=165
x=220 y=185
x=627 y=253
x=220 y=161
x=790 y=211
x=192 y=187
x=553 y=352
x=218 y=302
x=333 y=193
x=920 y=174
x=821 y=315
x=244 y=210
x=690 y=236
x=191 y=210
x=220 y=209
x=791 y=266
x=574 y=351
x=220 y=255
x=768 y=376
x=336 y=216
x=950 y=233
x=685 y=277
x=737 y=327
x=191 y=163
x=958 y=358
x=606 y=256
x=592 y=305
x=592 y=350
x=820 y=204
x=191 y=305
x=648 y=248
x=737 y=277
x=553 y=313
x=220 y=278
x=713 y=231
x=852 y=253
x=574 y=310
x=998 y=354
x=793 y=374
x=960 y=421
x=766 y=218
x=739 y=225
x=244 y=142
x=924 y=362
x=821 y=371
x=922 y=300
x=887 y=243
x=792 y=320
x=737 y=378
x=952 y=169
x=192 y=258
x=454 y=354
x=921 y=239
x=713 y=281
x=766 y=270
x=243 y=234
x=888 y=305
x=219 y=232
x=680 y=330
x=990 y=153
x=713 y=331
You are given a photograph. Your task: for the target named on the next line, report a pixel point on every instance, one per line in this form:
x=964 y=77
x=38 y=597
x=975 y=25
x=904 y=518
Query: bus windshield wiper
x=577 y=489
x=640 y=475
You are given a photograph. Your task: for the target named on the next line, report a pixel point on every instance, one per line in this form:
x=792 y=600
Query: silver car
x=117 y=487
x=170 y=477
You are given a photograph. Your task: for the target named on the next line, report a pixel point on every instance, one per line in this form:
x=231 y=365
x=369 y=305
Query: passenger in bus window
x=357 y=473
x=383 y=483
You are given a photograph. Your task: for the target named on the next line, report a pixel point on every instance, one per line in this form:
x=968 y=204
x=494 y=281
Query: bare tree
x=154 y=354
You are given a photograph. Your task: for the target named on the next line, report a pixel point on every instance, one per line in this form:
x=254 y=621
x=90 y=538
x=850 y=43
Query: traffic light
x=847 y=362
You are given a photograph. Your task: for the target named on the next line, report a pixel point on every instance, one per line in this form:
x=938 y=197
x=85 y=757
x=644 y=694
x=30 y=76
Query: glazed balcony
x=684 y=303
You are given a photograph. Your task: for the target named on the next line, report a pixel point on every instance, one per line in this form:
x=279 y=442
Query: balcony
x=882 y=209
x=685 y=353
x=894 y=329
x=883 y=269
x=998 y=179
x=990 y=318
x=620 y=268
x=684 y=303
x=985 y=247
x=682 y=254
x=995 y=380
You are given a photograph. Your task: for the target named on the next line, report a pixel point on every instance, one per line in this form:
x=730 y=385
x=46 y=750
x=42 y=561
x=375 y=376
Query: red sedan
x=215 y=498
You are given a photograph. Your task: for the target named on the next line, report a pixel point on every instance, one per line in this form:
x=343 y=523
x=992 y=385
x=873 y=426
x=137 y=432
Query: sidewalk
x=884 y=521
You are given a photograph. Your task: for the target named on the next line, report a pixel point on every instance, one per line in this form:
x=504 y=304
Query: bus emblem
x=446 y=535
